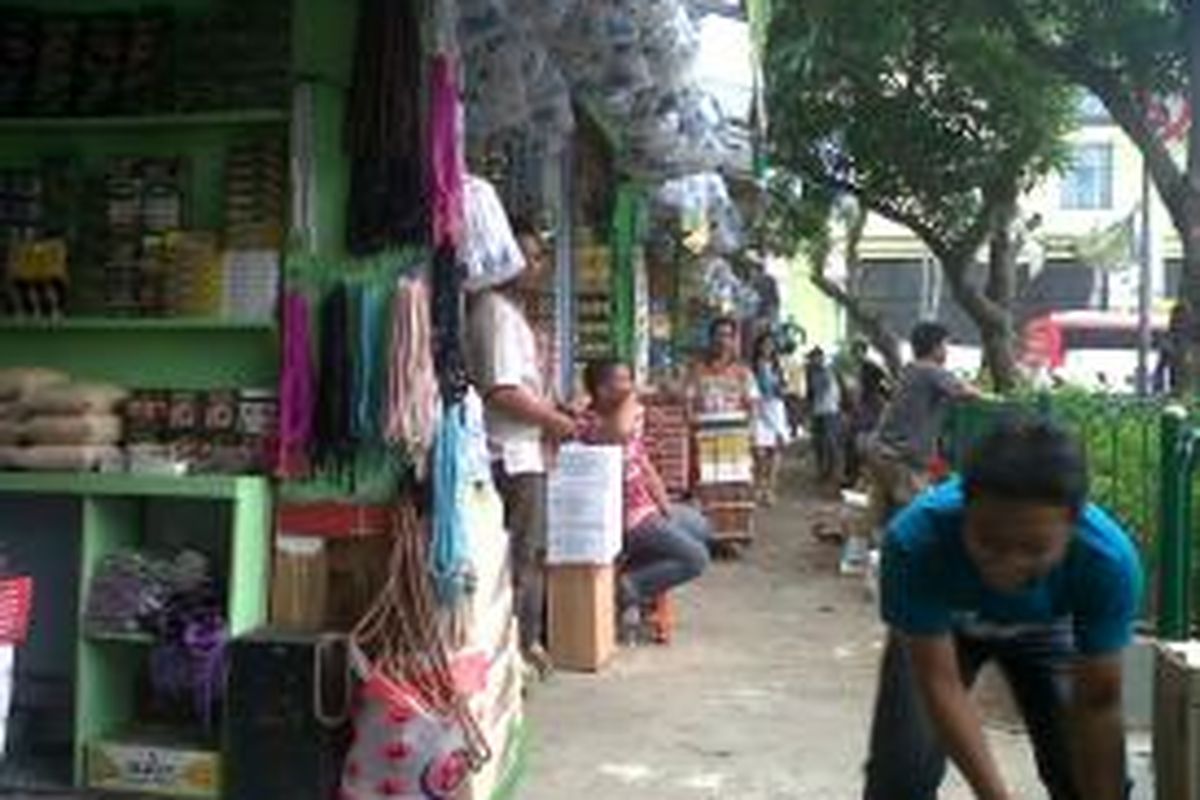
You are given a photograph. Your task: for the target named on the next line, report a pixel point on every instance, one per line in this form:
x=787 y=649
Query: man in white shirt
x=521 y=421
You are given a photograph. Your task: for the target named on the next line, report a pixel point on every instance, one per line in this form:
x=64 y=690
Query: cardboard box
x=1177 y=721
x=156 y=764
x=585 y=513
x=582 y=616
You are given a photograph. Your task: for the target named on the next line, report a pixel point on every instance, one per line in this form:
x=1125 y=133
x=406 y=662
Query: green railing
x=1142 y=456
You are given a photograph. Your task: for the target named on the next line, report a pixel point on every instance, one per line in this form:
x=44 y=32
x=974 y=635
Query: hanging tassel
x=412 y=383
x=370 y=363
x=297 y=388
x=449 y=553
x=334 y=449
x=447 y=165
x=447 y=325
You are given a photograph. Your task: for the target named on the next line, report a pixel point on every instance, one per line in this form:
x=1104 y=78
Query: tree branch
x=871 y=323
x=1072 y=62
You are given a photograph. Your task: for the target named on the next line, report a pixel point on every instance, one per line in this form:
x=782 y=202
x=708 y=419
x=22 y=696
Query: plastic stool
x=661 y=620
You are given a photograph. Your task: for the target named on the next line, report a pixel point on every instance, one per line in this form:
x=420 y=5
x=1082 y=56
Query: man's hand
x=560 y=426
x=1098 y=729
x=954 y=716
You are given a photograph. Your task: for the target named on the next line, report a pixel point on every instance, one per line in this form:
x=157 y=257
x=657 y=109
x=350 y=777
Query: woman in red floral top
x=666 y=544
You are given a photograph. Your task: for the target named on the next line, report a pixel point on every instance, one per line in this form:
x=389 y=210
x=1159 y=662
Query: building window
x=1088 y=181
x=1092 y=111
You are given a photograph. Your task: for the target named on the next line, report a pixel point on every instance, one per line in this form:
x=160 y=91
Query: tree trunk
x=994 y=322
x=872 y=324
x=868 y=322
x=1187 y=369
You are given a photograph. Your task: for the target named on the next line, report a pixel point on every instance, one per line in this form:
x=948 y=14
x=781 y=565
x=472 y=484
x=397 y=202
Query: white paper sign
x=585 y=505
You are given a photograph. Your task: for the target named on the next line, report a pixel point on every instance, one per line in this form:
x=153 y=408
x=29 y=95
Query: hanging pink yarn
x=447 y=163
x=297 y=388
x=412 y=408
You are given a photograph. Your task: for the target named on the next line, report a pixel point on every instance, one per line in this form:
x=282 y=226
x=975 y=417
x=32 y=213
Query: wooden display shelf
x=200 y=119
x=129 y=484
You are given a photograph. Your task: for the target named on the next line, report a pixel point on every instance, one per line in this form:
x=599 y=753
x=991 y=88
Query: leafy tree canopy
x=923 y=109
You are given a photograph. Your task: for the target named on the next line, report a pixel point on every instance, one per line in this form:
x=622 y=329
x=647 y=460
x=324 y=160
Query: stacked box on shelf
x=20 y=220
x=667 y=440
x=144 y=201
x=255 y=192
x=593 y=284
x=18 y=59
x=89 y=64
x=235 y=57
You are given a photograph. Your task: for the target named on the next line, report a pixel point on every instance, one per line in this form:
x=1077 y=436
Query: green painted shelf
x=124 y=324
x=125 y=484
x=206 y=119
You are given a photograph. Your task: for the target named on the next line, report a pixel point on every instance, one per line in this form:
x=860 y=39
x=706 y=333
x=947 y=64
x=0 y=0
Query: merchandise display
x=125 y=250
x=359 y=386
x=594 y=302
x=144 y=62
x=52 y=424
x=666 y=437
x=230 y=431
x=525 y=59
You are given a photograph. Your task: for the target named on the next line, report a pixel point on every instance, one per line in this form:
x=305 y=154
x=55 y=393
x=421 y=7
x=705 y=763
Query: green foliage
x=1144 y=42
x=924 y=109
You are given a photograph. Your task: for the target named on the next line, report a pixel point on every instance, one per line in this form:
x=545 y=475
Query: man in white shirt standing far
x=522 y=421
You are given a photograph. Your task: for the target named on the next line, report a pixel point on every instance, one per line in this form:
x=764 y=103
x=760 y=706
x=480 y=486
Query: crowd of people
x=1006 y=563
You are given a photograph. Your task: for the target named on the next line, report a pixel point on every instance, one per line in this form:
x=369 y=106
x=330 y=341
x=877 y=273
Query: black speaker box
x=287 y=721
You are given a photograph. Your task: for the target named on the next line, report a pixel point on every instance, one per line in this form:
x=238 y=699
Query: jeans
x=524 y=499
x=663 y=552
x=906 y=761
x=827 y=444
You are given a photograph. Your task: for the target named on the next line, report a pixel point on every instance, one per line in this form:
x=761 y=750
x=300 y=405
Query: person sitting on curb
x=1009 y=563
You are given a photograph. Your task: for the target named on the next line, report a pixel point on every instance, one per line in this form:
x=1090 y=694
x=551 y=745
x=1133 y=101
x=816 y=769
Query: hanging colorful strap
x=372 y=351
x=297 y=389
x=412 y=384
x=449 y=559
x=446 y=161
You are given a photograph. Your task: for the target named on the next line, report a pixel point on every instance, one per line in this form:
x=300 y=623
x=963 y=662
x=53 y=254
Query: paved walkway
x=765 y=694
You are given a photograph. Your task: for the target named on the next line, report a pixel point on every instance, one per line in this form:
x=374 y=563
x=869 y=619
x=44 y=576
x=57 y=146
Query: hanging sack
x=414 y=736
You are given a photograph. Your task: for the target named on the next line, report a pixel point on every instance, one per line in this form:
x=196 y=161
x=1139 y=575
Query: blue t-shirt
x=930 y=586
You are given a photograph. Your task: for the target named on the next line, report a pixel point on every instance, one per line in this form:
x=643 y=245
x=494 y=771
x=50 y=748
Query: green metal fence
x=1142 y=456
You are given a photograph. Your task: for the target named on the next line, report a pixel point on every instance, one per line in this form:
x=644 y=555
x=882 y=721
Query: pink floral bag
x=414 y=737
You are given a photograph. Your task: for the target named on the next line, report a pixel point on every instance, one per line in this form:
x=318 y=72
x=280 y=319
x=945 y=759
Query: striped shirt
x=640 y=504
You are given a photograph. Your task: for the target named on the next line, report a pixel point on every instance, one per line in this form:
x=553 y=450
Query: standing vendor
x=721 y=383
x=1010 y=564
x=521 y=421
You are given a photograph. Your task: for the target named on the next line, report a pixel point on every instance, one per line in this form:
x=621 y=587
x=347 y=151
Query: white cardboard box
x=585 y=505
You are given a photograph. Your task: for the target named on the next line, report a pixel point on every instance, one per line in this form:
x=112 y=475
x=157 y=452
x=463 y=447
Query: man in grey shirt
x=905 y=442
